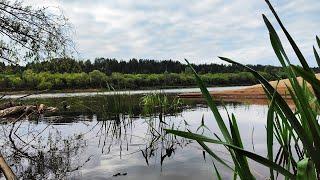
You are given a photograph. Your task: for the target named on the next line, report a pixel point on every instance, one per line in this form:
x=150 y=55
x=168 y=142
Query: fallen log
x=25 y=109
x=13 y=111
x=8 y=105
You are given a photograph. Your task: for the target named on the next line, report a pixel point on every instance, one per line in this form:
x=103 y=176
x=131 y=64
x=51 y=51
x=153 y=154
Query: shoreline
x=251 y=94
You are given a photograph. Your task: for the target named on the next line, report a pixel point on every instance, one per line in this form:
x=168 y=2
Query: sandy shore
x=252 y=94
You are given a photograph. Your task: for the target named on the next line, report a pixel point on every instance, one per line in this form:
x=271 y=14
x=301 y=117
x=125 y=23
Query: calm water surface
x=132 y=92
x=112 y=137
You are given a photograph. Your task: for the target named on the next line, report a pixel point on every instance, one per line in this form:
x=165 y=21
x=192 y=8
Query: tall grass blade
x=316 y=55
x=280 y=114
x=209 y=151
x=279 y=51
x=276 y=42
x=312 y=122
x=308 y=76
x=308 y=144
x=270 y=125
x=301 y=102
x=217 y=172
x=293 y=44
x=306 y=170
x=241 y=169
x=212 y=105
x=248 y=154
x=243 y=163
x=290 y=39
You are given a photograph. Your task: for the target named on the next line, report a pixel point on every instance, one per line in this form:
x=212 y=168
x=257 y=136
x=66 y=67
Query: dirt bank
x=252 y=94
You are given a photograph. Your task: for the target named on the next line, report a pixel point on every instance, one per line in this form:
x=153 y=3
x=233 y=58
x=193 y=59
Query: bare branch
x=34 y=33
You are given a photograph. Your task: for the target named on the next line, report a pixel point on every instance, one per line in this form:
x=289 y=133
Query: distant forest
x=61 y=74
x=133 y=66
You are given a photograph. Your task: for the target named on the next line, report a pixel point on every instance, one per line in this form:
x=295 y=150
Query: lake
x=113 y=136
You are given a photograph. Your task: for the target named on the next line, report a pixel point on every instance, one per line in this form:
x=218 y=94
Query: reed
x=297 y=130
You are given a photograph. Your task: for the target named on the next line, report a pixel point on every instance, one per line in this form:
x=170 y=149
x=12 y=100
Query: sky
x=199 y=30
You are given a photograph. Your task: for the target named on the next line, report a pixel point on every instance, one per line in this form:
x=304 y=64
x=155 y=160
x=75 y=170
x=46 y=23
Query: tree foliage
x=29 y=33
x=133 y=66
x=30 y=80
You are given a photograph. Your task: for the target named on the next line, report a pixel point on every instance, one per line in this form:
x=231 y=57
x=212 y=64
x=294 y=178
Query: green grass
x=297 y=130
x=159 y=103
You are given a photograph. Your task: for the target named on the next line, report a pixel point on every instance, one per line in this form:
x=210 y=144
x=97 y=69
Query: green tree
x=30 y=78
x=97 y=78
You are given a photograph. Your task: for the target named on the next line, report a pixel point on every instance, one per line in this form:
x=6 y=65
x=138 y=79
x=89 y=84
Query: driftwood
x=11 y=109
x=25 y=110
x=8 y=105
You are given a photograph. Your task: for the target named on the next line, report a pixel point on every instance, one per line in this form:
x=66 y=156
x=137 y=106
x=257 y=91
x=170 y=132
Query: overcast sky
x=199 y=30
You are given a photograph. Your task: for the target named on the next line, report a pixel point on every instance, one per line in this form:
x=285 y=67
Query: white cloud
x=199 y=30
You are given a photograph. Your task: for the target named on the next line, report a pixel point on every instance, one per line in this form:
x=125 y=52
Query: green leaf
x=209 y=151
x=293 y=45
x=275 y=41
x=308 y=76
x=270 y=125
x=290 y=39
x=313 y=124
x=242 y=171
x=212 y=105
x=243 y=163
x=308 y=144
x=306 y=170
x=217 y=172
x=316 y=55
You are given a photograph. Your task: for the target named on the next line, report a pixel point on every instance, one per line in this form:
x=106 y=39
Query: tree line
x=133 y=66
x=67 y=73
x=30 y=80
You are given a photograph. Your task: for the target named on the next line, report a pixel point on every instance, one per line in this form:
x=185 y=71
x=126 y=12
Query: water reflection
x=107 y=136
x=43 y=154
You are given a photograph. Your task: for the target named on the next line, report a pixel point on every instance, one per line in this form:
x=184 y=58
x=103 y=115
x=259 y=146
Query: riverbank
x=250 y=94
